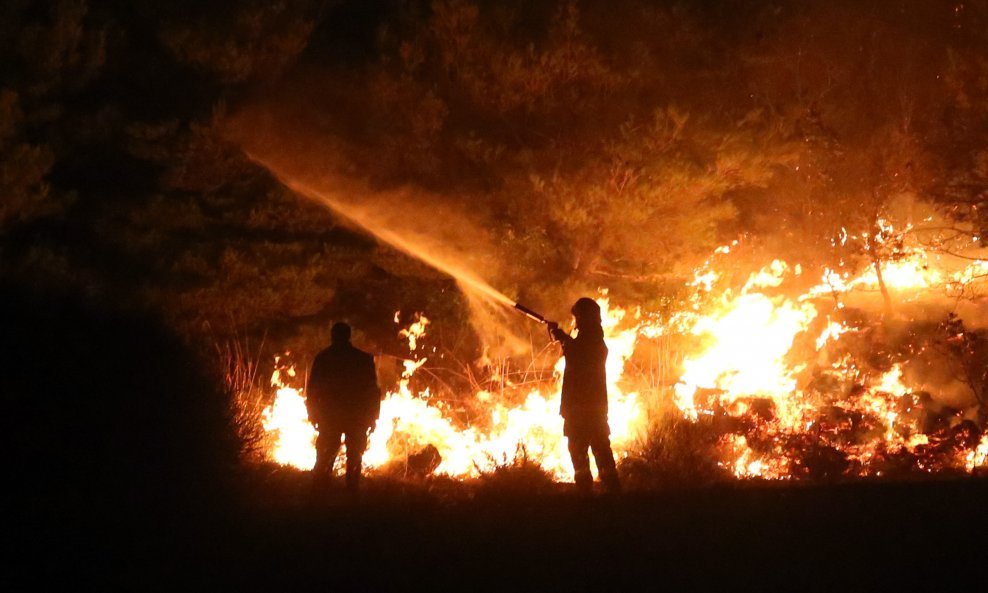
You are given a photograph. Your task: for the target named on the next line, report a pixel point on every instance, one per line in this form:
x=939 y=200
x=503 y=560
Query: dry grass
x=675 y=452
x=246 y=393
x=514 y=477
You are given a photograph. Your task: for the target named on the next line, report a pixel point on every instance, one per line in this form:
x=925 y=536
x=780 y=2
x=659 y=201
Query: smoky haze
x=411 y=220
x=540 y=151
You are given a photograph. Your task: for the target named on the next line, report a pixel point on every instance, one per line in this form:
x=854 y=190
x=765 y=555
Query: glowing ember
x=753 y=348
x=977 y=458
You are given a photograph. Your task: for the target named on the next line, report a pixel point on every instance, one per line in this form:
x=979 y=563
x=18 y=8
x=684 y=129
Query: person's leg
x=356 y=442
x=581 y=462
x=327 y=448
x=602 y=454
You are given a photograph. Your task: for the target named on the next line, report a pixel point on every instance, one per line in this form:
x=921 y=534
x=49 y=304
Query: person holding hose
x=584 y=398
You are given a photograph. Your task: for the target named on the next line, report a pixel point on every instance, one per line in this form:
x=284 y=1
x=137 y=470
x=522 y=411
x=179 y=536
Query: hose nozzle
x=530 y=314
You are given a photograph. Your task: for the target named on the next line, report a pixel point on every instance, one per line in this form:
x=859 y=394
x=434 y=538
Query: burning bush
x=676 y=452
x=776 y=381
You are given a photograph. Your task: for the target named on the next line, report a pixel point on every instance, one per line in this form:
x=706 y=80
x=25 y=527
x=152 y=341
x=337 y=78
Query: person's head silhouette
x=340 y=333
x=586 y=311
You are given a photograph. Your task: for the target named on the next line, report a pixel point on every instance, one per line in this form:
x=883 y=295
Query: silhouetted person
x=584 y=400
x=343 y=401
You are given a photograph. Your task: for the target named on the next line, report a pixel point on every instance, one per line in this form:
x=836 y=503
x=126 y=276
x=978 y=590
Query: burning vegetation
x=867 y=374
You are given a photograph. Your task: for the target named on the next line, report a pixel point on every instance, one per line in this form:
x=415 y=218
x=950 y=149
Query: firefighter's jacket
x=342 y=391
x=585 y=377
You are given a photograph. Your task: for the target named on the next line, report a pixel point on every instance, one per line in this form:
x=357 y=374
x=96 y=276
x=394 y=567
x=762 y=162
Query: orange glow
x=411 y=420
x=751 y=355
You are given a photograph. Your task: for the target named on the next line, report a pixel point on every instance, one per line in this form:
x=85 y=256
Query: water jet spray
x=401 y=241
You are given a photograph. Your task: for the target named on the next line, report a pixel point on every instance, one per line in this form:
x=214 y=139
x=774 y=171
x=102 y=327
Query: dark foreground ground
x=927 y=536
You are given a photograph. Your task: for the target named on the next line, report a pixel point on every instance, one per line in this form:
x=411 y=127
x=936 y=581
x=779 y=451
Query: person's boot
x=352 y=482
x=584 y=483
x=319 y=486
x=611 y=483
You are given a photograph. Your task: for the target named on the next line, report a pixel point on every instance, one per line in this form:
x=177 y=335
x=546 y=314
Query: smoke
x=412 y=220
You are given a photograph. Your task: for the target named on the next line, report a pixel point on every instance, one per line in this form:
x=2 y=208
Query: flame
x=287 y=421
x=414 y=332
x=748 y=341
x=411 y=420
x=753 y=356
x=753 y=348
x=747 y=464
x=975 y=459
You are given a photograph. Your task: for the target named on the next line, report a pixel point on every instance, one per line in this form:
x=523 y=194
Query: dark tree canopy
x=599 y=144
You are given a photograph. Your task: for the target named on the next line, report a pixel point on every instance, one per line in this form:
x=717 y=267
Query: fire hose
x=536 y=316
x=531 y=314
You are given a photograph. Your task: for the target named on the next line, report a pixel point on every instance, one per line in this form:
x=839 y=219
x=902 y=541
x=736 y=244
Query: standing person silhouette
x=343 y=400
x=584 y=399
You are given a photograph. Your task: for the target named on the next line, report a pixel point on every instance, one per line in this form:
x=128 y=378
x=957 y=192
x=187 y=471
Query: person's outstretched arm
x=559 y=335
